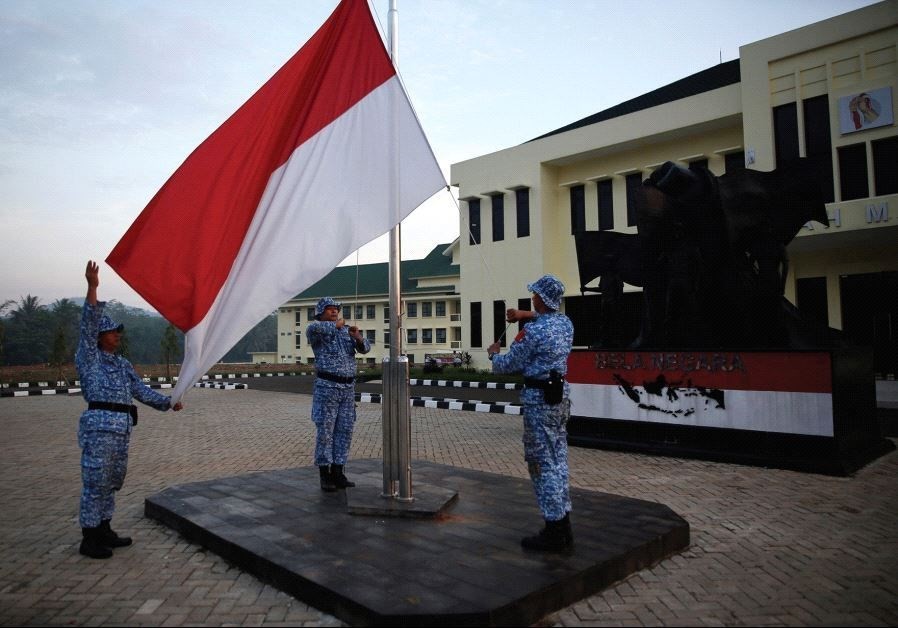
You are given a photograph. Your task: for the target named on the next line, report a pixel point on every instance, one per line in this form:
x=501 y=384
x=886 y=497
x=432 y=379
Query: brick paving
x=769 y=547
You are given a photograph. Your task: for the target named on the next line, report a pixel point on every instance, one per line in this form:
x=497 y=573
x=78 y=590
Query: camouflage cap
x=324 y=302
x=107 y=324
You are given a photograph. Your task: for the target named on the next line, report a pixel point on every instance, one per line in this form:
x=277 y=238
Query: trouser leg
x=325 y=405
x=545 y=450
x=103 y=466
x=343 y=427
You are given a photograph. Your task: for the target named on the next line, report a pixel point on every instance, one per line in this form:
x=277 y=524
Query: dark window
x=299 y=316
x=810 y=297
x=818 y=144
x=386 y=313
x=498 y=217
x=474 y=221
x=476 y=325
x=785 y=133
x=869 y=312
x=412 y=336
x=412 y=309
x=499 y=322
x=310 y=313
x=523 y=304
x=885 y=165
x=386 y=338
x=578 y=209
x=698 y=164
x=347 y=312
x=522 y=203
x=427 y=336
x=370 y=335
x=606 y=204
x=440 y=308
x=734 y=161
x=634 y=182
x=853 y=171
x=426 y=308
x=359 y=311
x=441 y=335
x=298 y=340
x=369 y=311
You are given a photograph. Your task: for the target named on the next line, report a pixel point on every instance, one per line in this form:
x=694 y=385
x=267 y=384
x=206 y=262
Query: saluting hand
x=92 y=274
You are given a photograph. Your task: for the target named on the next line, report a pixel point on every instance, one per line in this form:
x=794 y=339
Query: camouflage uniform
x=543 y=345
x=104 y=435
x=333 y=402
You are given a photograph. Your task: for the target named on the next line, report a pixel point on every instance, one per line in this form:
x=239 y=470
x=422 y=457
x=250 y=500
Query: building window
x=412 y=309
x=606 y=204
x=298 y=317
x=818 y=144
x=633 y=182
x=524 y=304
x=474 y=221
x=810 y=297
x=522 y=204
x=853 y=171
x=785 y=133
x=734 y=161
x=441 y=335
x=386 y=313
x=298 y=341
x=441 y=308
x=386 y=338
x=310 y=313
x=371 y=336
x=426 y=309
x=698 y=164
x=498 y=201
x=358 y=312
x=369 y=311
x=499 y=322
x=310 y=360
x=578 y=209
x=427 y=336
x=412 y=336
x=347 y=312
x=476 y=331
x=885 y=161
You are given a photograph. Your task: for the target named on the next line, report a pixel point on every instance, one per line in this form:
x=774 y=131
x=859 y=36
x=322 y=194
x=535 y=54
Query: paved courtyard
x=769 y=547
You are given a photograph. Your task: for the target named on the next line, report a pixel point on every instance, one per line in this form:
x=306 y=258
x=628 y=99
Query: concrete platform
x=465 y=567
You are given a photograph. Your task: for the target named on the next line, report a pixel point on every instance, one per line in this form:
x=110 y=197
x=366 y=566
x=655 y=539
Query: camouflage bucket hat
x=550 y=289
x=107 y=324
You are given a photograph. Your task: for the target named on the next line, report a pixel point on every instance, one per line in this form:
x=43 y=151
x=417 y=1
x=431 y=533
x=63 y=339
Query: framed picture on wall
x=866 y=110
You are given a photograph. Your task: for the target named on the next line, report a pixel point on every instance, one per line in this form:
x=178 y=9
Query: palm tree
x=3 y=307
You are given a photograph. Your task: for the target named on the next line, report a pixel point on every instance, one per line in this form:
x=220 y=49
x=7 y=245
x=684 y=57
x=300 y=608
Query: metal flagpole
x=394 y=407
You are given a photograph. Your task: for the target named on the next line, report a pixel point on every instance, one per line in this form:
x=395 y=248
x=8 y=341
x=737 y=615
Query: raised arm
x=92 y=274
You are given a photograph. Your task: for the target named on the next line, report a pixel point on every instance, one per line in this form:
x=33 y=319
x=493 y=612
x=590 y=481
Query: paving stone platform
x=465 y=567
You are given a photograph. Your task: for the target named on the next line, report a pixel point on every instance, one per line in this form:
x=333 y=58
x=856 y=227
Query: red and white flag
x=325 y=157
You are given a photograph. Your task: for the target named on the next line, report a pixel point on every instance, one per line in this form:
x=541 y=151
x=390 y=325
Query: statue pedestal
x=804 y=410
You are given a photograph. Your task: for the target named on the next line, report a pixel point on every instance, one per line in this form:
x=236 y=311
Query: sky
x=101 y=101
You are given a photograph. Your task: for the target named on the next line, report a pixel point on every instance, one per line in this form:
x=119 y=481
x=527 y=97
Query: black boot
x=340 y=480
x=555 y=537
x=327 y=480
x=92 y=546
x=109 y=538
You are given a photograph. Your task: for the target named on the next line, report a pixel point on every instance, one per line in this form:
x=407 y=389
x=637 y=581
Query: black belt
x=115 y=407
x=536 y=383
x=335 y=378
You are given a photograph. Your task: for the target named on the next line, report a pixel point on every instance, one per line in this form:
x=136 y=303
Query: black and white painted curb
x=470 y=405
x=458 y=384
x=222 y=386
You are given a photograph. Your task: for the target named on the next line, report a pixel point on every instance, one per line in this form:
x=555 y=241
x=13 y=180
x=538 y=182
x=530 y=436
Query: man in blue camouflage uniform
x=333 y=398
x=540 y=352
x=108 y=383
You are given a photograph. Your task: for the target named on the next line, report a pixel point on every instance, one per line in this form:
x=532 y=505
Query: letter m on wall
x=878 y=213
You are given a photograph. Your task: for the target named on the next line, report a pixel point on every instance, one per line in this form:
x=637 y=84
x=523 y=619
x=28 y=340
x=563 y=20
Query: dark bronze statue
x=710 y=255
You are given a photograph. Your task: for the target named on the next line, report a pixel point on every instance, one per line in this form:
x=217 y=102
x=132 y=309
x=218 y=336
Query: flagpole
x=395 y=406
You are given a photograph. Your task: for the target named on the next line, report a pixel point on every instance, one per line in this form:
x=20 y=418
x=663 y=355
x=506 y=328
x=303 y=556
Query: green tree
x=59 y=353
x=29 y=332
x=3 y=307
x=170 y=348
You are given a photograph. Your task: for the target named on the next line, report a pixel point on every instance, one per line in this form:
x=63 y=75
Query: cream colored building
x=431 y=319
x=825 y=91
